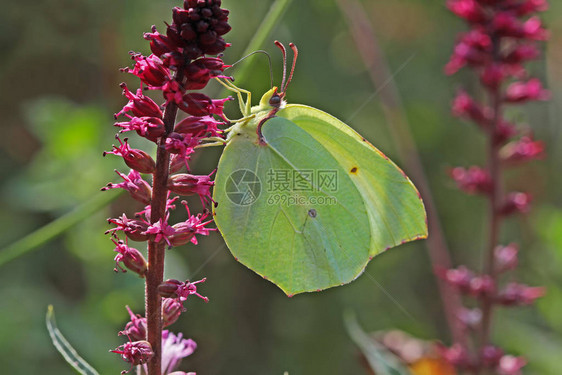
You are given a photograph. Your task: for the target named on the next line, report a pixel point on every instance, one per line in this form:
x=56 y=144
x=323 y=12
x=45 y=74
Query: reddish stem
x=495 y=199
x=156 y=251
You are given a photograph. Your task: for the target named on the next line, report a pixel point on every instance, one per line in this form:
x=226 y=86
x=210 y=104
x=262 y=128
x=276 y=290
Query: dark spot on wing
x=354 y=170
x=312 y=213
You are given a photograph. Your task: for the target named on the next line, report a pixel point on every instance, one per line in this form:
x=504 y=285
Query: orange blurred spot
x=432 y=366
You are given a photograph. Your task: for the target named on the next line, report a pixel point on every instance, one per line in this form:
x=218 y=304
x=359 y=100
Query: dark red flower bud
x=516 y=203
x=464 y=106
x=135 y=329
x=490 y=356
x=135 y=353
x=150 y=128
x=200 y=71
x=133 y=228
x=503 y=131
x=188 y=184
x=138 y=188
x=470 y=318
x=457 y=355
x=168 y=289
x=150 y=70
x=470 y=10
x=134 y=158
x=519 y=92
x=171 y=311
x=515 y=294
x=482 y=286
x=459 y=278
x=132 y=259
x=522 y=53
x=139 y=105
x=473 y=180
x=198 y=126
x=492 y=76
x=523 y=150
x=506 y=257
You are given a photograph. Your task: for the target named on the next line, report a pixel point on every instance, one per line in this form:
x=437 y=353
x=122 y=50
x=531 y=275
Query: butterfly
x=305 y=201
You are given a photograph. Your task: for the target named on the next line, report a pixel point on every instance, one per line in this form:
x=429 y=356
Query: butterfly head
x=274 y=99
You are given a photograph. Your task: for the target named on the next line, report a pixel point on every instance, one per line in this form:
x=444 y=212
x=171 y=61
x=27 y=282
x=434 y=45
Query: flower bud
x=506 y=257
x=490 y=355
x=139 y=105
x=188 y=184
x=169 y=288
x=149 y=69
x=134 y=158
x=134 y=229
x=473 y=180
x=519 y=92
x=171 y=311
x=482 y=286
x=516 y=203
x=464 y=106
x=197 y=126
x=138 y=188
x=515 y=294
x=523 y=150
x=132 y=259
x=135 y=353
x=136 y=327
x=510 y=365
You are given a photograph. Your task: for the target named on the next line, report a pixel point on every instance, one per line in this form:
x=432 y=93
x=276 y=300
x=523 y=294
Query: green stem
x=57 y=227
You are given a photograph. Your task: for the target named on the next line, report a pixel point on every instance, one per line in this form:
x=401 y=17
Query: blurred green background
x=59 y=78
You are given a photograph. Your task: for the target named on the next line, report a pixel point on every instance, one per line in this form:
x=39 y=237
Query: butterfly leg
x=245 y=106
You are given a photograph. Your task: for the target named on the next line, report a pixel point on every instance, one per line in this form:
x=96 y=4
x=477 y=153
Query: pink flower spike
x=511 y=365
x=161 y=231
x=138 y=188
x=132 y=259
x=139 y=105
x=134 y=158
x=135 y=353
x=525 y=149
x=149 y=69
x=524 y=91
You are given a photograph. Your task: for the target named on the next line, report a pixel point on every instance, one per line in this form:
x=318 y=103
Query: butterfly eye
x=275 y=101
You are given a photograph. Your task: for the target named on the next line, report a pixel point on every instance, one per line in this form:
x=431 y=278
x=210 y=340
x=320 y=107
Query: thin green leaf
x=380 y=359
x=272 y=18
x=64 y=348
x=55 y=228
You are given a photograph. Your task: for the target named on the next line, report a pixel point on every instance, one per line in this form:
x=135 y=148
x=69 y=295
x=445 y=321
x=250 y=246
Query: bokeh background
x=59 y=89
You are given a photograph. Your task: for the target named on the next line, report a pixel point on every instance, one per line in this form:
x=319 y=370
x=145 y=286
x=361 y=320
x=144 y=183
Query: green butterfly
x=305 y=201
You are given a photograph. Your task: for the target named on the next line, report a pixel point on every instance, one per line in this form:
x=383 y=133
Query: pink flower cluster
x=179 y=64
x=503 y=36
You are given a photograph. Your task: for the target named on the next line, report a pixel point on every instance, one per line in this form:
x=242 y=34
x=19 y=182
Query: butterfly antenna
x=253 y=53
x=284 y=51
x=294 y=63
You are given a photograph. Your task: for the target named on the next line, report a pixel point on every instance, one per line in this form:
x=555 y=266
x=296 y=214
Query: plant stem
x=495 y=199
x=399 y=128
x=156 y=251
